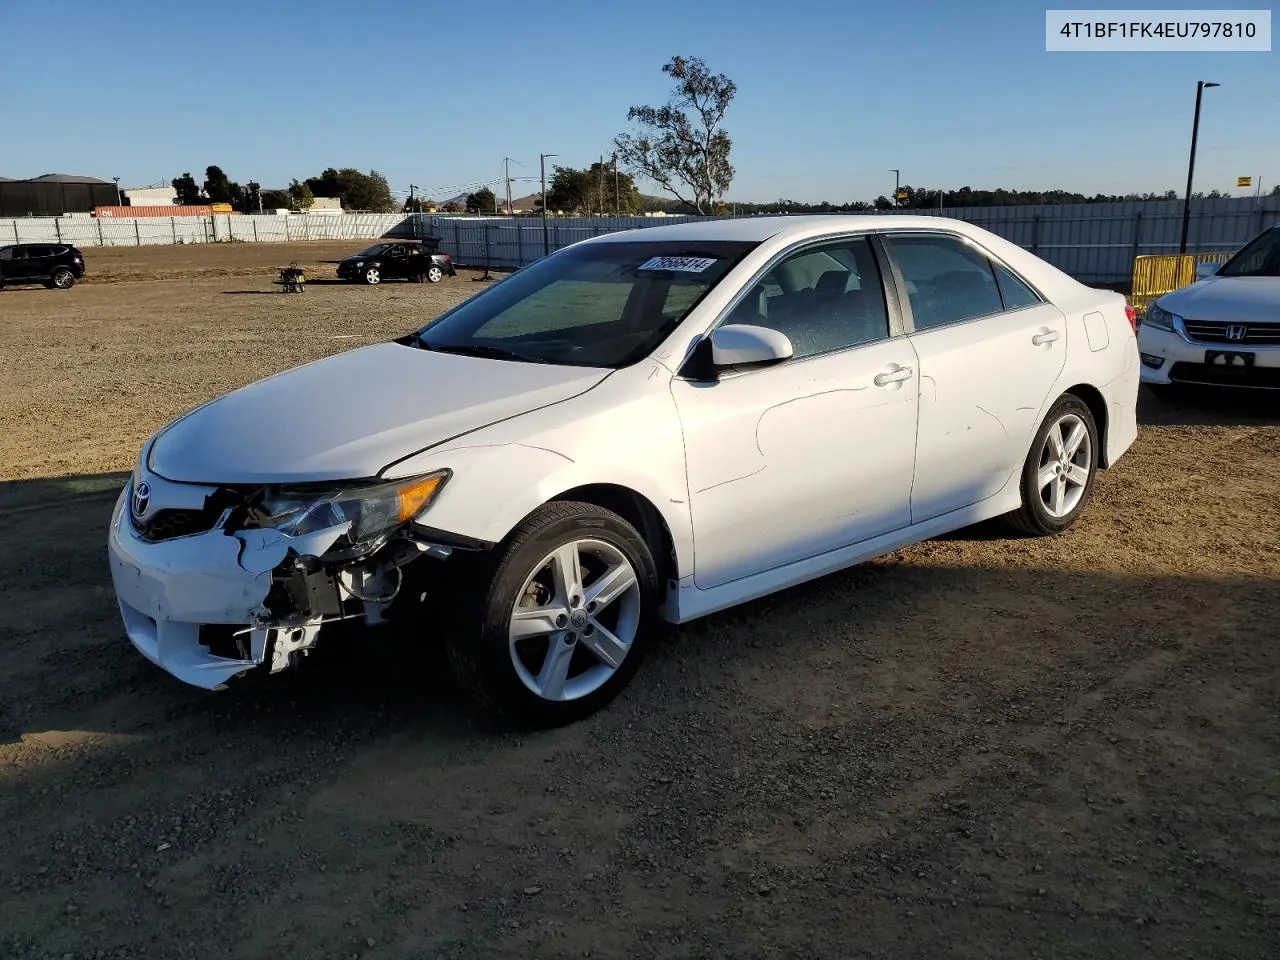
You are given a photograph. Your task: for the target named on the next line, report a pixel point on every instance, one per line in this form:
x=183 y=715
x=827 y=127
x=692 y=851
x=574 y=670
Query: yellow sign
x=1244 y=181
x=901 y=194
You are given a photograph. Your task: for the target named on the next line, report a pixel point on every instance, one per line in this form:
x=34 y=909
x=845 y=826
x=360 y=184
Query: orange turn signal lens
x=415 y=496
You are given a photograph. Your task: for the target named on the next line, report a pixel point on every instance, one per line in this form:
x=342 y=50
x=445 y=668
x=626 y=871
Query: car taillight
x=1132 y=316
x=447 y=258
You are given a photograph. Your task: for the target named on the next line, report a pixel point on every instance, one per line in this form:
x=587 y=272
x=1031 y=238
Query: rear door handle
x=1047 y=336
x=894 y=376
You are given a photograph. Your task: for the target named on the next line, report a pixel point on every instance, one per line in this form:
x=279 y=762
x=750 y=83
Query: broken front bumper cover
x=168 y=591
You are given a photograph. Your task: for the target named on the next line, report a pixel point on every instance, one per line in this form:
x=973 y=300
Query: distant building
x=153 y=196
x=54 y=194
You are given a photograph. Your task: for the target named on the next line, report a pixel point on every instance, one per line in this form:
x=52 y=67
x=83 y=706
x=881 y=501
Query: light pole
x=617 y=197
x=546 y=241
x=119 y=202
x=897 y=181
x=412 y=208
x=1191 y=165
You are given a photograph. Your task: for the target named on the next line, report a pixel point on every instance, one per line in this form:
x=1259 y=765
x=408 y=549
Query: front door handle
x=893 y=376
x=1044 y=336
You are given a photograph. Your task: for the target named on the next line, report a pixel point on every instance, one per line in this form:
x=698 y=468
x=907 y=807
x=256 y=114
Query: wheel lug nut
x=591 y=607
x=561 y=620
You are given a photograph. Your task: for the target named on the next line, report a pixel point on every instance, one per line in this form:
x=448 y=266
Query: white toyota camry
x=647 y=426
x=1222 y=330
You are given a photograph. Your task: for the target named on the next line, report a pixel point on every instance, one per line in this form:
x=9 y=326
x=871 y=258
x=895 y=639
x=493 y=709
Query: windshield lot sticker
x=678 y=264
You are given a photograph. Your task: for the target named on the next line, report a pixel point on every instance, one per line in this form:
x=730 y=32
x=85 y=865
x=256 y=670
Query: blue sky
x=830 y=94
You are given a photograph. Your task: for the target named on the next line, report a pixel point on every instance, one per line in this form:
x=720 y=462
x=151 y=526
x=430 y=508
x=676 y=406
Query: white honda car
x=647 y=426
x=1222 y=330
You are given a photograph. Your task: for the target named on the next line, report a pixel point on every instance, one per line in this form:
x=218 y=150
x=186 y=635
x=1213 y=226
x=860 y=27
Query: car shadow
x=1197 y=406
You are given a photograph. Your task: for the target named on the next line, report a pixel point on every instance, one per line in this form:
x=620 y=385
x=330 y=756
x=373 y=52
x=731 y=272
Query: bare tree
x=681 y=146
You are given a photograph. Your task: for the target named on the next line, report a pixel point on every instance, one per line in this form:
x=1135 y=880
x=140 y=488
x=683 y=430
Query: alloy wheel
x=1065 y=462
x=574 y=620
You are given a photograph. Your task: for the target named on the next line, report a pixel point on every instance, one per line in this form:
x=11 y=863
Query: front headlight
x=1159 y=318
x=358 y=264
x=373 y=511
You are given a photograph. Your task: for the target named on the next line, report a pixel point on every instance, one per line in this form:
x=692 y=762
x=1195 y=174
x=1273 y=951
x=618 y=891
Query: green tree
x=300 y=196
x=482 y=201
x=357 y=191
x=186 y=190
x=591 y=192
x=221 y=189
x=681 y=146
x=451 y=207
x=276 y=200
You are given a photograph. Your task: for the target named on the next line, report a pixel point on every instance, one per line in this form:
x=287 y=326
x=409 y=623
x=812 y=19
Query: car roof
x=757 y=229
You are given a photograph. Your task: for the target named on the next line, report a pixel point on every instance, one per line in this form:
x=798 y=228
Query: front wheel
x=1057 y=478
x=373 y=275
x=560 y=623
x=62 y=279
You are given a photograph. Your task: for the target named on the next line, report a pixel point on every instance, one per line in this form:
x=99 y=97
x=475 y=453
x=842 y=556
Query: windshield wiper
x=481 y=350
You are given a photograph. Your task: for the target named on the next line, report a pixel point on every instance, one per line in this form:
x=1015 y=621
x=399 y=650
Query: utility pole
x=412 y=208
x=507 y=173
x=897 y=183
x=617 y=194
x=600 y=183
x=1191 y=165
x=119 y=202
x=546 y=242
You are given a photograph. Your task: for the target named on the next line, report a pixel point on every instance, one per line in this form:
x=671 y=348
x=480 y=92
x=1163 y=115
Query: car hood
x=1227 y=299
x=349 y=416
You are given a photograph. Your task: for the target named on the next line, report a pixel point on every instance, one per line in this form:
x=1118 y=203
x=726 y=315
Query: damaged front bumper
x=212 y=605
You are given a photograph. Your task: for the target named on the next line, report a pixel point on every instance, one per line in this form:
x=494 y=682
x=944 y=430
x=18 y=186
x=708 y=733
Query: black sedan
x=398 y=259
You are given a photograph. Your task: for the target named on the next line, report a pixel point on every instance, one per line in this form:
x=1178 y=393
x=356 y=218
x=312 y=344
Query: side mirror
x=1206 y=270
x=738 y=344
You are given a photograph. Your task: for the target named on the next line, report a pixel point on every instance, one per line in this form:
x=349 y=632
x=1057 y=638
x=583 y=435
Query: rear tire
x=1057 y=477
x=62 y=279
x=555 y=624
x=434 y=274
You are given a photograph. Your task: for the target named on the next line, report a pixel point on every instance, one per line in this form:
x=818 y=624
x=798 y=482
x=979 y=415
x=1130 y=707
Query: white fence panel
x=1094 y=242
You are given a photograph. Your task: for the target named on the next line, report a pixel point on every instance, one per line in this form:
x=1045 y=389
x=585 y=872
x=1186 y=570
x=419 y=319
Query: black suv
x=398 y=258
x=56 y=265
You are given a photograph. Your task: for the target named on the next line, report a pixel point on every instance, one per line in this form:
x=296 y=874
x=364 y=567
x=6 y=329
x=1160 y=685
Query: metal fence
x=220 y=228
x=1096 y=243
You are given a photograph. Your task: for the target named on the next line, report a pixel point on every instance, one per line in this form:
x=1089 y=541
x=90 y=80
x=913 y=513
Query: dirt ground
x=977 y=747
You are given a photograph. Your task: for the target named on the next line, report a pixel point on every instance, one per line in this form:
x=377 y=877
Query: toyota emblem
x=141 y=499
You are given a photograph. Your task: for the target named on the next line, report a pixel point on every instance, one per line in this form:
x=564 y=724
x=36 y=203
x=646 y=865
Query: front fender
x=503 y=473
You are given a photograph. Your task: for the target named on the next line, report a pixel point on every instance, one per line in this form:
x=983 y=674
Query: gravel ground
x=977 y=747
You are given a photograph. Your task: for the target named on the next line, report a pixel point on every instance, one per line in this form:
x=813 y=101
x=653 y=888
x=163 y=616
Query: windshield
x=593 y=305
x=375 y=250
x=1261 y=258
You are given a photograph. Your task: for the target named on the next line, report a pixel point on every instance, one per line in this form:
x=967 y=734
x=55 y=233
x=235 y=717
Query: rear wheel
x=62 y=279
x=373 y=275
x=1057 y=478
x=559 y=623
x=434 y=273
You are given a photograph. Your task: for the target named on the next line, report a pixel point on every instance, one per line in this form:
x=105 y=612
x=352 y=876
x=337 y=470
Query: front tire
x=372 y=276
x=560 y=620
x=62 y=279
x=1057 y=478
